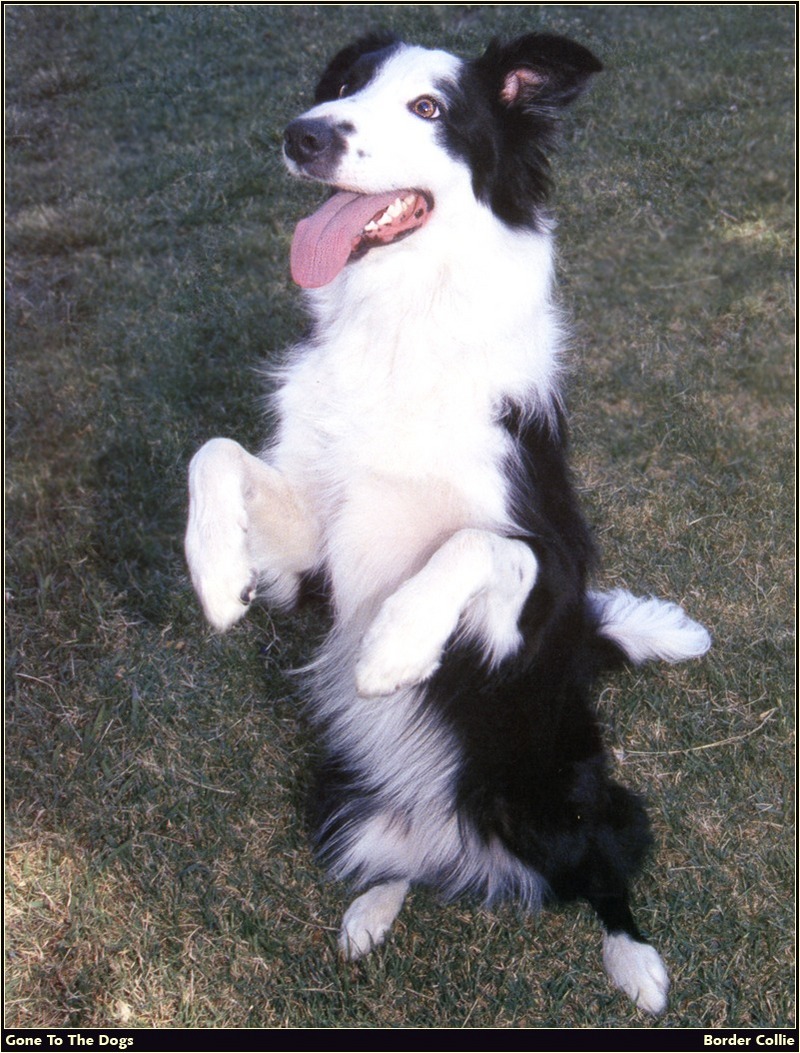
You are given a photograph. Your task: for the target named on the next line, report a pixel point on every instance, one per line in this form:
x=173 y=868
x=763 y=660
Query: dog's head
x=377 y=119
x=411 y=125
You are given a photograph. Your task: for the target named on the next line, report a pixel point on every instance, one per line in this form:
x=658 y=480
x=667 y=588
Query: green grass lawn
x=157 y=867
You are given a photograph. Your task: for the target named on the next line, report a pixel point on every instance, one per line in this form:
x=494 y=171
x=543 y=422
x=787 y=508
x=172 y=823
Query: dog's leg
x=476 y=574
x=369 y=918
x=632 y=964
x=246 y=526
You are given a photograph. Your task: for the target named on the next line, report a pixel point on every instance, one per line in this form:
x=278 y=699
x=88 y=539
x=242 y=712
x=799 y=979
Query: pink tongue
x=323 y=242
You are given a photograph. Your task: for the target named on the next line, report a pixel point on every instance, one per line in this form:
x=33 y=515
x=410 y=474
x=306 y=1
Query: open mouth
x=406 y=213
x=348 y=225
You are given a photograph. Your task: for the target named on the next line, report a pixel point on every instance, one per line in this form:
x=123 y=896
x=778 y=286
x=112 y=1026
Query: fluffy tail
x=647 y=629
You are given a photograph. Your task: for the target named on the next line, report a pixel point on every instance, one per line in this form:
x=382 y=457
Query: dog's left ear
x=539 y=71
x=343 y=61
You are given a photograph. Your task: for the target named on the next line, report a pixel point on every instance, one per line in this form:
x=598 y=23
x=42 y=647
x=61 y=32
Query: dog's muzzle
x=314 y=146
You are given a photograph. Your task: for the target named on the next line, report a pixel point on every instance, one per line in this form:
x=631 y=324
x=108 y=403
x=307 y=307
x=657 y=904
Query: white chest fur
x=389 y=416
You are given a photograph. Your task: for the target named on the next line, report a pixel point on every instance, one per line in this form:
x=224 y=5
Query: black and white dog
x=418 y=468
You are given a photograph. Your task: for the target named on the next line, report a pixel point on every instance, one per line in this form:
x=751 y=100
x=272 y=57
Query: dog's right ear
x=539 y=72
x=337 y=73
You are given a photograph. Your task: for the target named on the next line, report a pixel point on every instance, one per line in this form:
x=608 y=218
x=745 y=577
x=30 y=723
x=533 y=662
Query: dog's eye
x=344 y=90
x=425 y=107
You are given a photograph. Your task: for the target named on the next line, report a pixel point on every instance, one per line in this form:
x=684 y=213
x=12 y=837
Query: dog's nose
x=306 y=139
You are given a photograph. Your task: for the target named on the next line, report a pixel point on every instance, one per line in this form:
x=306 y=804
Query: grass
x=157 y=870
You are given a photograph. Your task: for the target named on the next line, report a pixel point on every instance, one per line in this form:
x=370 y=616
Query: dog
x=418 y=470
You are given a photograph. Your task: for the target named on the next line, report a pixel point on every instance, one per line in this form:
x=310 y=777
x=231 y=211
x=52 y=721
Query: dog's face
x=412 y=133
x=378 y=122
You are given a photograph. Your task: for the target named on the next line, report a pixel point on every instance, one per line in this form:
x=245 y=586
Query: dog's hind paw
x=637 y=969
x=369 y=918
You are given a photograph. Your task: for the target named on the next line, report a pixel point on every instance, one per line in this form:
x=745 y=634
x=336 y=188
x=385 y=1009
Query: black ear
x=338 y=69
x=539 y=71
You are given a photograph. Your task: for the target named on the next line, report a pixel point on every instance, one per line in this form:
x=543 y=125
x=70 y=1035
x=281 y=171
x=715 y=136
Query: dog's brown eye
x=343 y=91
x=426 y=107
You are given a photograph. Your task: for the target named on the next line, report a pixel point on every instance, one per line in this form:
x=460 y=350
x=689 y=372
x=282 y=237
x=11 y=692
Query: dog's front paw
x=385 y=666
x=216 y=536
x=223 y=579
x=223 y=603
x=402 y=647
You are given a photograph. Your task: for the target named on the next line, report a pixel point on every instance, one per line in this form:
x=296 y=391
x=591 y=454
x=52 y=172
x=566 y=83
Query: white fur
x=647 y=628
x=389 y=147
x=369 y=918
x=246 y=527
x=637 y=969
x=473 y=568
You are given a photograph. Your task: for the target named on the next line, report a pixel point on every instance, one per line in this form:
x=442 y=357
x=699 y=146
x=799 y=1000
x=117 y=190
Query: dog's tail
x=647 y=629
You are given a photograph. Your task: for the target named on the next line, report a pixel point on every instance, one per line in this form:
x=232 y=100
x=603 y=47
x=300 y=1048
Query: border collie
x=418 y=469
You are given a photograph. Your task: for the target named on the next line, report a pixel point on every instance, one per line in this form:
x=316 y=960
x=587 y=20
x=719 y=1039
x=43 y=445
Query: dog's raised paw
x=224 y=603
x=404 y=644
x=402 y=647
x=379 y=672
x=248 y=593
x=216 y=535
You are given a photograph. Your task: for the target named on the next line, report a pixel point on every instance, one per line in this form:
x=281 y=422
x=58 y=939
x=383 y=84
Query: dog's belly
x=383 y=530
x=389 y=477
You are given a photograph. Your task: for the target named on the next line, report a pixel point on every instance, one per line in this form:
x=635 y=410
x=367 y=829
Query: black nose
x=306 y=140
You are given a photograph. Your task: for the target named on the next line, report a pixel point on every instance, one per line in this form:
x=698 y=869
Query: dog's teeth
x=399 y=207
